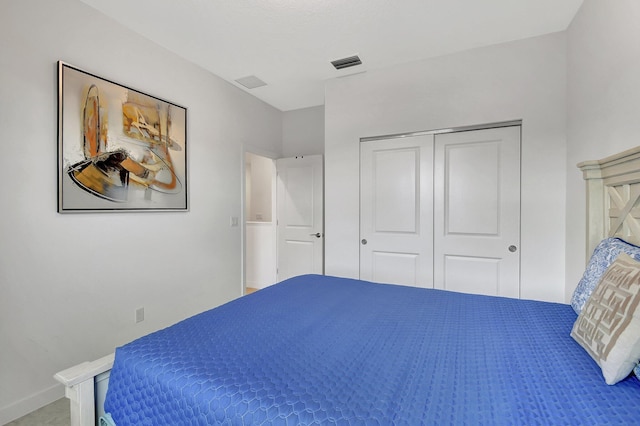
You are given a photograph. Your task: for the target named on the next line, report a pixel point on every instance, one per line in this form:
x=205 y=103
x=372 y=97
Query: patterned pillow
x=603 y=255
x=608 y=327
x=636 y=371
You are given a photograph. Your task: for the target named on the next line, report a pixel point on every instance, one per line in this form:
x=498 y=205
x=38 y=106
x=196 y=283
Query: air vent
x=251 y=82
x=351 y=61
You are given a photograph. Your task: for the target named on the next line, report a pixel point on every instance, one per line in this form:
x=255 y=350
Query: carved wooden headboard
x=613 y=197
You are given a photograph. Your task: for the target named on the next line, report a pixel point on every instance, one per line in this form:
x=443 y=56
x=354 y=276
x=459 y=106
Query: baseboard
x=25 y=406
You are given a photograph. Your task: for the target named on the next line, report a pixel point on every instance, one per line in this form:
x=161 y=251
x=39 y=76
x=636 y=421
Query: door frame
x=509 y=123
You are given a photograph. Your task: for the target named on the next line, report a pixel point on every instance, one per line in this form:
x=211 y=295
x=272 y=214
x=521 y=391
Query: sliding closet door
x=477 y=214
x=396 y=211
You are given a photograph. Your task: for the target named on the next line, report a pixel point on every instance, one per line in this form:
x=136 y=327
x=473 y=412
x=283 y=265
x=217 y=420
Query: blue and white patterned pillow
x=636 y=371
x=603 y=256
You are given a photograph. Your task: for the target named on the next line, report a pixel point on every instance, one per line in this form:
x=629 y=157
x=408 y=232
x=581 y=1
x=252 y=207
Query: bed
x=329 y=350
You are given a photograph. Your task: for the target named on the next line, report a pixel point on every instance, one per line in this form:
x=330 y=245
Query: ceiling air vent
x=351 y=61
x=251 y=82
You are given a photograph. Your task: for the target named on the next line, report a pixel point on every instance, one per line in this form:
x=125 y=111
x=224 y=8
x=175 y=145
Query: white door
x=477 y=211
x=396 y=211
x=300 y=221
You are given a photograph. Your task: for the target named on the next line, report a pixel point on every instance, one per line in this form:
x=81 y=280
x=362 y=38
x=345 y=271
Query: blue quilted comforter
x=326 y=350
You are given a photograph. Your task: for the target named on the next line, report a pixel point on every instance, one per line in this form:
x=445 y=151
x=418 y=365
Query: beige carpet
x=54 y=414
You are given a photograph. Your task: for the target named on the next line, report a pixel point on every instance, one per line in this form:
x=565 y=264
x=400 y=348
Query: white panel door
x=396 y=211
x=477 y=211
x=300 y=222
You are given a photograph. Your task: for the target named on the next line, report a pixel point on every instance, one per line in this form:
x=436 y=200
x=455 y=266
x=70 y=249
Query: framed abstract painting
x=118 y=149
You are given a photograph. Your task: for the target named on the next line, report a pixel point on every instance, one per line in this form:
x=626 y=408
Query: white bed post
x=79 y=382
x=592 y=174
x=81 y=398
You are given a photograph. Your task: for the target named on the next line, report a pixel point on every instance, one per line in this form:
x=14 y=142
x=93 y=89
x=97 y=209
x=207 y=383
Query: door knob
x=317 y=235
x=513 y=248
x=364 y=242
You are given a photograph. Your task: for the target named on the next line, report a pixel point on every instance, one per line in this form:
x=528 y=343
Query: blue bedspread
x=325 y=350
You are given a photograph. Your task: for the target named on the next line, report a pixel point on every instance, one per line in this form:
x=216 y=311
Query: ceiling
x=289 y=44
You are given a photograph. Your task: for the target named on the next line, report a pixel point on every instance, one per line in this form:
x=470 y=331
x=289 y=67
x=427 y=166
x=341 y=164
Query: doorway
x=259 y=222
x=284 y=219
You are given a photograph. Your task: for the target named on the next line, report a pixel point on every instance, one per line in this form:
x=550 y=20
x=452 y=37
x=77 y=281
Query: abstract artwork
x=119 y=149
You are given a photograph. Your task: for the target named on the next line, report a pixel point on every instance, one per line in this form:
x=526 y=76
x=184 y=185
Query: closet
x=442 y=209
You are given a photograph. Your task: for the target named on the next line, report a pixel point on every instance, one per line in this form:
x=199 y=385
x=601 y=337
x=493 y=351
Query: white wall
x=69 y=284
x=603 y=45
x=519 y=80
x=303 y=131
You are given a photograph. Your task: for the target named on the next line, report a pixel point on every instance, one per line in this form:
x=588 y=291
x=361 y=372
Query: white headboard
x=613 y=197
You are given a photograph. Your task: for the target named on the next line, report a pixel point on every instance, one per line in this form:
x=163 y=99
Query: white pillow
x=608 y=326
